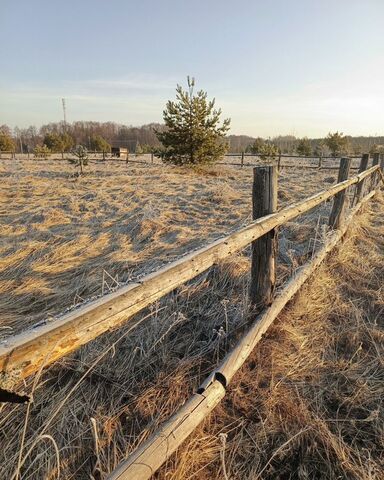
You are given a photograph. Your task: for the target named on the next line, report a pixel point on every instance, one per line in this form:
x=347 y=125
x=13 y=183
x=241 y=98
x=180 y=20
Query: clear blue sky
x=275 y=66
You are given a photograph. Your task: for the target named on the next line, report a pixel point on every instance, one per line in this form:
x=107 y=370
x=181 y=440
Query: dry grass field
x=65 y=239
x=308 y=405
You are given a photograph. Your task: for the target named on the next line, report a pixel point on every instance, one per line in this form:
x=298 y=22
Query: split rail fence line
x=259 y=158
x=24 y=354
x=151 y=455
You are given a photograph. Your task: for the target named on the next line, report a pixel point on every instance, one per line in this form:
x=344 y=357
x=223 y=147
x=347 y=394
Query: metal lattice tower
x=65 y=114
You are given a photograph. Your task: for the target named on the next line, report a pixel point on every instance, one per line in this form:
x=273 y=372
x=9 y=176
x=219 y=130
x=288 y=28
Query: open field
x=67 y=239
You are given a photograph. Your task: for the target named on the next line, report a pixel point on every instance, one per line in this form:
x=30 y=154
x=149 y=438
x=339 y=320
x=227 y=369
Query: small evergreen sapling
x=6 y=143
x=42 y=152
x=58 y=142
x=99 y=144
x=304 y=147
x=193 y=134
x=337 y=143
x=80 y=157
x=263 y=149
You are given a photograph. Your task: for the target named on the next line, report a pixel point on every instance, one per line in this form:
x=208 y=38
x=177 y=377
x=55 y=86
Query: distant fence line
x=326 y=162
x=130 y=154
x=288 y=155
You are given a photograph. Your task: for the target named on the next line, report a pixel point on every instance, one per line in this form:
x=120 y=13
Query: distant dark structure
x=120 y=152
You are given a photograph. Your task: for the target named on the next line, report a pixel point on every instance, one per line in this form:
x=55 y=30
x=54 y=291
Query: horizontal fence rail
x=286 y=155
x=24 y=354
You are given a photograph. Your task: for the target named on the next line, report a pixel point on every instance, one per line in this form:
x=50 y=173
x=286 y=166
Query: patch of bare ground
x=307 y=405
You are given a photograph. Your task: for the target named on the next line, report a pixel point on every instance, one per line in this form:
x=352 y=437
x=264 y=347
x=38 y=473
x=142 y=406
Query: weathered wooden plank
x=337 y=213
x=144 y=462
x=263 y=263
x=166 y=440
x=24 y=354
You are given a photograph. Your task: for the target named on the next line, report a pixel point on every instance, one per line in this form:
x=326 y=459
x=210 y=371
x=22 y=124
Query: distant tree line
x=100 y=136
x=95 y=136
x=334 y=144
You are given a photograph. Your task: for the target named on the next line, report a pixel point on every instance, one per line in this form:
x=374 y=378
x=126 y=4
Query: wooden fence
x=148 y=458
x=28 y=352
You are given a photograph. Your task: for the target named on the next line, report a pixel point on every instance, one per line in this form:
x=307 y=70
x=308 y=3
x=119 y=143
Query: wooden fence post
x=382 y=162
x=320 y=161
x=263 y=271
x=151 y=157
x=376 y=176
x=242 y=159
x=279 y=161
x=336 y=216
x=359 y=187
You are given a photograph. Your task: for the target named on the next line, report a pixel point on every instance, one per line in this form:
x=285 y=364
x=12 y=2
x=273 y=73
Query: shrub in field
x=6 y=143
x=376 y=148
x=58 y=143
x=99 y=144
x=320 y=149
x=42 y=152
x=337 y=143
x=193 y=133
x=304 y=147
x=263 y=149
x=80 y=159
x=142 y=149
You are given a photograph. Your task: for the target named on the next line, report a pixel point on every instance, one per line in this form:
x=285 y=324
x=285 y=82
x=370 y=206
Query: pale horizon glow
x=275 y=68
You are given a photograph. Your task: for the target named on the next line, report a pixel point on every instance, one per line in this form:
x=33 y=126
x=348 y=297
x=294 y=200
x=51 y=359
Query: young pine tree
x=193 y=134
x=264 y=149
x=80 y=157
x=304 y=147
x=337 y=143
x=6 y=143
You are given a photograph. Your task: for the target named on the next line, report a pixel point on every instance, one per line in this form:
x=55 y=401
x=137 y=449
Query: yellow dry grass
x=306 y=406
x=65 y=239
